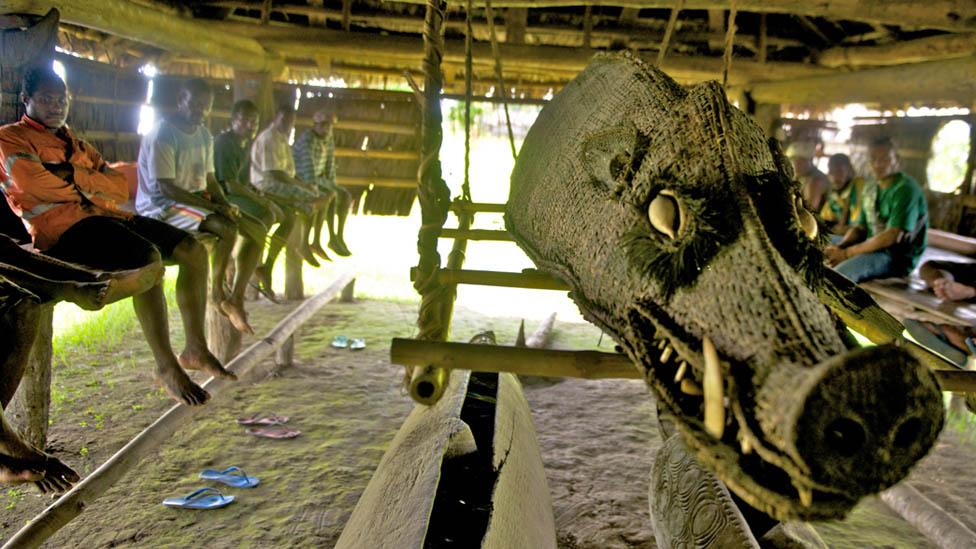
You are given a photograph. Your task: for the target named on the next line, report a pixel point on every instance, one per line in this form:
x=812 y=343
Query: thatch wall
x=105 y=109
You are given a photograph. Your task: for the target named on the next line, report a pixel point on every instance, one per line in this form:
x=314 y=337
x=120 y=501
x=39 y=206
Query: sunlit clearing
x=950 y=148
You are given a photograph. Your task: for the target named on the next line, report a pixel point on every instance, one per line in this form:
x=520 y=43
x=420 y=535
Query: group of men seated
x=880 y=227
x=94 y=251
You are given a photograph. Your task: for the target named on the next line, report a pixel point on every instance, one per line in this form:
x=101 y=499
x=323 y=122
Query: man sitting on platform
x=842 y=208
x=273 y=172
x=67 y=195
x=890 y=233
x=177 y=186
x=814 y=183
x=315 y=161
x=27 y=280
x=232 y=166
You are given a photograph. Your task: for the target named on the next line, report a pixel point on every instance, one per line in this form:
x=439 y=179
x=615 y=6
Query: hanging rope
x=729 y=40
x=668 y=31
x=432 y=191
x=498 y=72
x=468 y=69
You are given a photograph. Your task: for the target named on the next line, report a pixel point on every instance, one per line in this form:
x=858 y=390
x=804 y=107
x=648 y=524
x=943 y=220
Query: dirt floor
x=597 y=439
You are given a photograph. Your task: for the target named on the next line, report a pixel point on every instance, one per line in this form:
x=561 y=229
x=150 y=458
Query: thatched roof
x=786 y=51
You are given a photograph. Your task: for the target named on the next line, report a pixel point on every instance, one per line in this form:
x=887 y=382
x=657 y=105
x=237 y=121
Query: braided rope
x=729 y=39
x=668 y=31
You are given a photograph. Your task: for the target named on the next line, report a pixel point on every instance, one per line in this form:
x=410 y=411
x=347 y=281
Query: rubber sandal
x=358 y=344
x=258 y=419
x=340 y=342
x=933 y=342
x=273 y=432
x=204 y=498
x=231 y=476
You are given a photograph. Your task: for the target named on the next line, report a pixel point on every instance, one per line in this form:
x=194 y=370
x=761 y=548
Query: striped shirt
x=315 y=158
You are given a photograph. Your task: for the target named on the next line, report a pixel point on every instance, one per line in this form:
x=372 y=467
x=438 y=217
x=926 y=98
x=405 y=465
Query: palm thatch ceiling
x=785 y=51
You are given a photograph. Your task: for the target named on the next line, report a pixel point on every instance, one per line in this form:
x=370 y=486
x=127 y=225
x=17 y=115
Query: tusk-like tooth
x=806 y=496
x=662 y=344
x=681 y=372
x=689 y=387
x=746 y=446
x=714 y=390
x=666 y=354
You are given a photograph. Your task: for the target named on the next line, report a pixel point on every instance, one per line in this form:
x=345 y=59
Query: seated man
x=232 y=169
x=177 y=186
x=890 y=233
x=273 y=172
x=814 y=184
x=842 y=208
x=67 y=196
x=26 y=280
x=315 y=161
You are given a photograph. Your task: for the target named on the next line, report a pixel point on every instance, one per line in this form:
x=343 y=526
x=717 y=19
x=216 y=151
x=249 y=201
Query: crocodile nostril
x=908 y=432
x=845 y=436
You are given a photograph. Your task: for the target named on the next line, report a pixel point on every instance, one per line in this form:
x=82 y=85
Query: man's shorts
x=182 y=216
x=291 y=196
x=251 y=207
x=113 y=244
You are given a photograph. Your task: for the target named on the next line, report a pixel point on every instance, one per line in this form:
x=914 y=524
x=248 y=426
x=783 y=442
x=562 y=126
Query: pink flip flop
x=259 y=419
x=273 y=432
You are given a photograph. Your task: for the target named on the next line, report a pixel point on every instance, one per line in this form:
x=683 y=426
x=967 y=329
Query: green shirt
x=902 y=205
x=843 y=208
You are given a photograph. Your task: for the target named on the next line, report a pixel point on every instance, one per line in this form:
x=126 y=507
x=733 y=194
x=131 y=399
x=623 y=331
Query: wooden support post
x=532 y=279
x=294 y=287
x=30 y=407
x=346 y=14
x=256 y=86
x=762 y=40
x=768 y=117
x=223 y=340
x=588 y=27
x=516 y=20
x=285 y=355
x=249 y=365
x=349 y=292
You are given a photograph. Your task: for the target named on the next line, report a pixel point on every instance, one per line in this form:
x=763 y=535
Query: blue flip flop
x=340 y=342
x=204 y=498
x=357 y=344
x=231 y=476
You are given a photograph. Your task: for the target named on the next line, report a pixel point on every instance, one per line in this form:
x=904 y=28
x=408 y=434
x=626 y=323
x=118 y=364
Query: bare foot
x=339 y=247
x=306 y=253
x=179 y=386
x=47 y=472
x=264 y=283
x=237 y=316
x=317 y=250
x=951 y=290
x=205 y=362
x=90 y=296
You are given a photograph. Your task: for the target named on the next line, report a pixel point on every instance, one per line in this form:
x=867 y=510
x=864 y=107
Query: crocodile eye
x=805 y=219
x=666 y=214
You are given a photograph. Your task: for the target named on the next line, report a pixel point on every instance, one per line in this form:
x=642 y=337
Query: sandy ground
x=597 y=439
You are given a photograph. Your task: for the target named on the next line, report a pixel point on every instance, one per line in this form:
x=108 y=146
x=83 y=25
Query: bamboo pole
x=386 y=182
x=559 y=363
x=460 y=207
x=378 y=154
x=900 y=52
x=477 y=234
x=934 y=14
x=248 y=366
x=532 y=279
x=168 y=31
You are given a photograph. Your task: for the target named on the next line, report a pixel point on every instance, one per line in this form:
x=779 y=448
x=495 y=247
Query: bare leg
x=191 y=296
x=317 y=222
x=281 y=236
x=19 y=462
x=339 y=210
x=248 y=255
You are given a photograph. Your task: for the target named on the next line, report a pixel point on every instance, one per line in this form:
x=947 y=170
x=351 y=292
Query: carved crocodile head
x=682 y=232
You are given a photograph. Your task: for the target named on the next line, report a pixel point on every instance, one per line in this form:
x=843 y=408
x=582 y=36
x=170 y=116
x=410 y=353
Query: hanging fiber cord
x=729 y=40
x=490 y=14
x=668 y=31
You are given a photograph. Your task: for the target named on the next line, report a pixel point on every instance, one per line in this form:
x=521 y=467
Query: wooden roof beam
x=404 y=51
x=934 y=14
x=163 y=29
x=897 y=53
x=943 y=80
